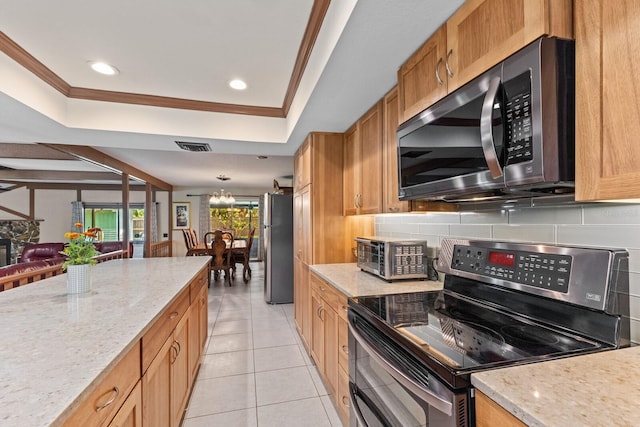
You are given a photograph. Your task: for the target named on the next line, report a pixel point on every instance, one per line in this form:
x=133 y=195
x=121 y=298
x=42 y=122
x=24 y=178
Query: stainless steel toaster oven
x=392 y=258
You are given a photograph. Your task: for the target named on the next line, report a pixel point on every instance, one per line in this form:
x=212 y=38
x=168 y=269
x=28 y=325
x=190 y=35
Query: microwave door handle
x=426 y=395
x=486 y=129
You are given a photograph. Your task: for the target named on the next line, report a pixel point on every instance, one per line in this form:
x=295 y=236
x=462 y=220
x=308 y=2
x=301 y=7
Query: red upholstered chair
x=41 y=252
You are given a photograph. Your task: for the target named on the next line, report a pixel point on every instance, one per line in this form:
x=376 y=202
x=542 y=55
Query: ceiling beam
x=23 y=174
x=80 y=186
x=92 y=155
x=31 y=151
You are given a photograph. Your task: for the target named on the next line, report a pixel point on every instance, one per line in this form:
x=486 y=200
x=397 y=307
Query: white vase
x=78 y=278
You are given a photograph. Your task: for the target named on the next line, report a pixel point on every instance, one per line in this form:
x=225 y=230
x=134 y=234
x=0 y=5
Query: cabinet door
x=302 y=165
x=489 y=414
x=343 y=398
x=156 y=388
x=307 y=227
x=330 y=323
x=607 y=77
x=422 y=80
x=306 y=311
x=484 y=32
x=203 y=319
x=351 y=173
x=197 y=330
x=181 y=374
x=390 y=202
x=317 y=330
x=130 y=413
x=370 y=166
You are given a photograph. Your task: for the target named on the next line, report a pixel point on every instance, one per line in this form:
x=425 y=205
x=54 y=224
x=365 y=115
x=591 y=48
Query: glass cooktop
x=463 y=334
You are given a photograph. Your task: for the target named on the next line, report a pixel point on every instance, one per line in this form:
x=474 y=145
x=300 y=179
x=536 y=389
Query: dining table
x=237 y=247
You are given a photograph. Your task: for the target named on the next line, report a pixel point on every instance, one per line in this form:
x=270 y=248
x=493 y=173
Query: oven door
x=390 y=388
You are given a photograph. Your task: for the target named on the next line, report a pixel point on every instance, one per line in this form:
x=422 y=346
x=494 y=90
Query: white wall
x=596 y=225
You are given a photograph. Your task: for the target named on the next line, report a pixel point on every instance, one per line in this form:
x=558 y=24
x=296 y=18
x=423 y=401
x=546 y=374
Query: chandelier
x=222 y=197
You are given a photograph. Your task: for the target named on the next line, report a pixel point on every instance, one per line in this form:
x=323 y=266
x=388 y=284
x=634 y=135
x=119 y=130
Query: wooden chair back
x=221 y=258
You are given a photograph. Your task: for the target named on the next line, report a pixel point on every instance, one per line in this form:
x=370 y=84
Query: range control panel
x=541 y=270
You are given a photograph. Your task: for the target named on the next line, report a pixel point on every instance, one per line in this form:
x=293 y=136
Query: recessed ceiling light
x=238 y=84
x=104 y=68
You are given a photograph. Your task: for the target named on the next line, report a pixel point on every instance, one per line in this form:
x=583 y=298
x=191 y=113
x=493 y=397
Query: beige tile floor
x=255 y=371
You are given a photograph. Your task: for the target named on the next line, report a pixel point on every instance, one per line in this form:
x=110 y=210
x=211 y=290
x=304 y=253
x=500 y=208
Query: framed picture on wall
x=181 y=215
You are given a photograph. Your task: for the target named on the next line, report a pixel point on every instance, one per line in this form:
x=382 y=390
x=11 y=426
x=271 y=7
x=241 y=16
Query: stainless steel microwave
x=507 y=133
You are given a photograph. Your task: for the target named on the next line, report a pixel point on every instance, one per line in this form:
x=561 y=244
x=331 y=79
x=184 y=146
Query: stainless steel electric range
x=411 y=355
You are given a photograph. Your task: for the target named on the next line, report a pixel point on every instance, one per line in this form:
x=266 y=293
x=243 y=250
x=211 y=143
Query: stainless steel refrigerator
x=278 y=248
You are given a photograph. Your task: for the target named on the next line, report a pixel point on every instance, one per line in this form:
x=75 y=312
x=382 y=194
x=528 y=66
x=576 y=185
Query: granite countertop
x=599 y=389
x=57 y=347
x=353 y=282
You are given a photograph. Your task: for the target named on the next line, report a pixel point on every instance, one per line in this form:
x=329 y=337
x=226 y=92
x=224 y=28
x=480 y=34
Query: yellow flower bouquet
x=80 y=249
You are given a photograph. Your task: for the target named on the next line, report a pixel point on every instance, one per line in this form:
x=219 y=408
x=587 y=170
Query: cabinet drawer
x=197 y=284
x=343 y=401
x=155 y=337
x=334 y=298
x=105 y=400
x=343 y=344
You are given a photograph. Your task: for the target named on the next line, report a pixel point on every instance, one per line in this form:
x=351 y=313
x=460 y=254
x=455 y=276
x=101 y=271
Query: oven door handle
x=356 y=409
x=428 y=396
x=486 y=129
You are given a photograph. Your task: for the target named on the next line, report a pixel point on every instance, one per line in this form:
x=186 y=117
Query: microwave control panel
x=541 y=270
x=519 y=133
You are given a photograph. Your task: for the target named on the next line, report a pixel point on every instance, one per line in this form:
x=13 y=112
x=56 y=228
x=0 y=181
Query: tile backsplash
x=594 y=225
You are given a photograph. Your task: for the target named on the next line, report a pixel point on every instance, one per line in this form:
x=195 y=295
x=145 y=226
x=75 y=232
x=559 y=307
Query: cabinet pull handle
x=179 y=349
x=320 y=310
x=173 y=315
x=345 y=401
x=175 y=352
x=345 y=349
x=438 y=79
x=116 y=391
x=446 y=64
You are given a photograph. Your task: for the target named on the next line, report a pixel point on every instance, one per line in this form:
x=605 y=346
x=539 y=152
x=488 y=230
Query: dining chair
x=244 y=255
x=220 y=258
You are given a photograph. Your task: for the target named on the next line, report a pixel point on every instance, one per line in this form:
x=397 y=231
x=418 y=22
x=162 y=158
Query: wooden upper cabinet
x=607 y=78
x=302 y=166
x=422 y=80
x=478 y=36
x=390 y=202
x=484 y=32
x=351 y=172
x=362 y=174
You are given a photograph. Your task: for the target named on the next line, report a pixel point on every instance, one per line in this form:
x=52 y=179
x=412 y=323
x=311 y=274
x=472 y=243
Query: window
x=109 y=219
x=238 y=218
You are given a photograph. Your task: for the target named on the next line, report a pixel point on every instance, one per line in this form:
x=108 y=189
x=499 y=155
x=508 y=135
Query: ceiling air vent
x=193 y=146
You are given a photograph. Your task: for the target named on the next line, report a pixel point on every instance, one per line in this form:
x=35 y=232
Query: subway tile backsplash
x=595 y=225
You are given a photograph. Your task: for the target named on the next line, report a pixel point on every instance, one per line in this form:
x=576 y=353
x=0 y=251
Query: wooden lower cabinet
x=150 y=385
x=198 y=328
x=130 y=413
x=166 y=384
x=103 y=403
x=490 y=414
x=329 y=346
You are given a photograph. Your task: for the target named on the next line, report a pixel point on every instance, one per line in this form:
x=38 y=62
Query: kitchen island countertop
x=353 y=282
x=599 y=389
x=56 y=347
